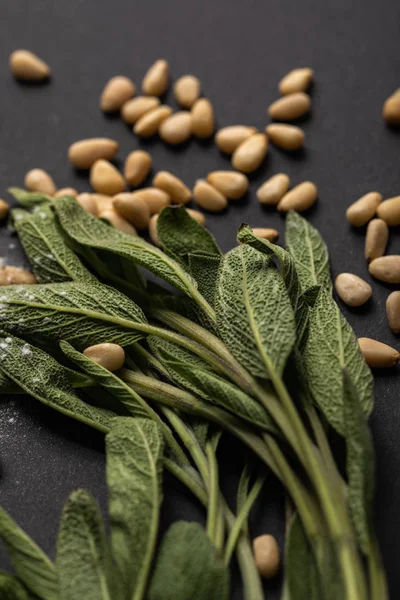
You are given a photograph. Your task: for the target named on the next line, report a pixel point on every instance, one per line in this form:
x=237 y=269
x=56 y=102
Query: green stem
x=213 y=493
x=377 y=576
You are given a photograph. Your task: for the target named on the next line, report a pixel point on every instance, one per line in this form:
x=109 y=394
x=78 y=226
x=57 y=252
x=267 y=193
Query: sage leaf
x=330 y=346
x=187 y=566
x=254 y=314
x=360 y=463
x=38 y=374
x=51 y=258
x=11 y=588
x=309 y=251
x=29 y=199
x=204 y=269
x=82 y=313
x=301 y=572
x=83 y=557
x=31 y=564
x=134 y=471
x=93 y=233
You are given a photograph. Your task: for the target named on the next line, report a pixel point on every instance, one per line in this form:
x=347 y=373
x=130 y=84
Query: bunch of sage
x=253 y=344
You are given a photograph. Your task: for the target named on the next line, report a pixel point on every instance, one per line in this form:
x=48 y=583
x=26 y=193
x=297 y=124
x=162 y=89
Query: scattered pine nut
x=203 y=121
x=155 y=199
x=132 y=208
x=103 y=202
x=137 y=107
x=266 y=555
x=271 y=235
x=174 y=187
x=389 y=211
x=273 y=190
x=137 y=167
x=197 y=216
x=107 y=355
x=26 y=66
x=287 y=137
x=149 y=124
x=16 y=276
x=187 y=90
x=386 y=268
x=66 y=192
x=364 y=209
x=84 y=153
x=298 y=80
x=378 y=355
x=4 y=209
x=156 y=80
x=290 y=107
x=300 y=198
x=116 y=92
x=117 y=221
x=231 y=184
x=376 y=239
x=177 y=128
x=208 y=197
x=106 y=179
x=88 y=203
x=38 y=180
x=391 y=109
x=153 y=230
x=230 y=138
x=353 y=290
x=393 y=311
x=251 y=153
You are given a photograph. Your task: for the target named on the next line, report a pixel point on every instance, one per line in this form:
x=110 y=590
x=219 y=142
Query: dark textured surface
x=239 y=50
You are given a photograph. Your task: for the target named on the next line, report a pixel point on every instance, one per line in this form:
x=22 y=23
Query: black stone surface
x=239 y=50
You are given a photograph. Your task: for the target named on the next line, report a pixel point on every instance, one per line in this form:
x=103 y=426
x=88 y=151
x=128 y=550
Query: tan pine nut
x=187 y=90
x=137 y=167
x=4 y=209
x=391 y=109
x=117 y=221
x=177 y=128
x=16 y=276
x=106 y=179
x=26 y=66
x=153 y=230
x=174 y=187
x=393 y=311
x=156 y=80
x=386 y=268
x=389 y=211
x=300 y=198
x=203 y=121
x=353 y=290
x=230 y=138
x=231 y=184
x=273 y=190
x=364 y=209
x=150 y=123
x=88 y=203
x=376 y=239
x=208 y=197
x=38 y=180
x=197 y=216
x=107 y=355
x=116 y=92
x=134 y=109
x=290 y=107
x=68 y=191
x=298 y=80
x=378 y=355
x=266 y=556
x=251 y=153
x=155 y=198
x=287 y=137
x=84 y=153
x=266 y=233
x=133 y=209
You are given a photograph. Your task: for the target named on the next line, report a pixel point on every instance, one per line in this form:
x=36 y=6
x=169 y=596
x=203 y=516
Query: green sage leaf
x=188 y=567
x=330 y=346
x=11 y=588
x=29 y=199
x=309 y=251
x=254 y=314
x=301 y=572
x=360 y=463
x=31 y=564
x=134 y=471
x=83 y=556
x=204 y=269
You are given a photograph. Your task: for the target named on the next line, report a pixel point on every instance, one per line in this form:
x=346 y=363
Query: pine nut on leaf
x=110 y=356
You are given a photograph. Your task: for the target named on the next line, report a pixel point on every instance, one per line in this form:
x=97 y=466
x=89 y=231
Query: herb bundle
x=252 y=344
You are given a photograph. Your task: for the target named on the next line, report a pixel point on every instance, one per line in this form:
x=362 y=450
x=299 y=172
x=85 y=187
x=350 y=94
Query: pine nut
x=203 y=118
x=353 y=290
x=109 y=356
x=386 y=268
x=376 y=239
x=391 y=109
x=378 y=355
x=393 y=311
x=273 y=190
x=27 y=66
x=116 y=92
x=175 y=188
x=106 y=179
x=137 y=167
x=208 y=197
x=155 y=199
x=251 y=153
x=298 y=80
x=300 y=198
x=103 y=202
x=153 y=230
x=230 y=138
x=88 y=203
x=4 y=209
x=389 y=211
x=149 y=124
x=290 y=107
x=231 y=184
x=177 y=128
x=133 y=209
x=187 y=90
x=364 y=209
x=271 y=235
x=16 y=276
x=84 y=153
x=137 y=107
x=266 y=555
x=117 y=221
x=38 y=180
x=197 y=216
x=156 y=80
x=287 y=137
x=68 y=191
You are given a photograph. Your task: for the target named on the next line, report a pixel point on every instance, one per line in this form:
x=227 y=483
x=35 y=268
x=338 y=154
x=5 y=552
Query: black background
x=239 y=50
